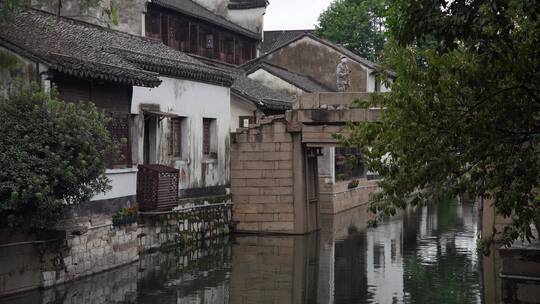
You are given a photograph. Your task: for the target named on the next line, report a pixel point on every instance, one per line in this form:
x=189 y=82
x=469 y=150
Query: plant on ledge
x=353 y=183
x=126 y=216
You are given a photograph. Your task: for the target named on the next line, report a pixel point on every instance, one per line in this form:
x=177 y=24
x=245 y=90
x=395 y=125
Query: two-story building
x=222 y=33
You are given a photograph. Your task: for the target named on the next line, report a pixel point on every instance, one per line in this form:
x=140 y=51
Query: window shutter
x=206 y=136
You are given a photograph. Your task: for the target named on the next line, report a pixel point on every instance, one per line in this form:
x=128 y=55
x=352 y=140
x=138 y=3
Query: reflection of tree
x=351 y=284
x=435 y=270
x=451 y=279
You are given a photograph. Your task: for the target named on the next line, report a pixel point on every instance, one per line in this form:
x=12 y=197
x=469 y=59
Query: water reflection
x=427 y=256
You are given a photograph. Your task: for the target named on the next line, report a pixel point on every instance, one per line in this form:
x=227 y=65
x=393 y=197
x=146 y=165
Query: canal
x=423 y=256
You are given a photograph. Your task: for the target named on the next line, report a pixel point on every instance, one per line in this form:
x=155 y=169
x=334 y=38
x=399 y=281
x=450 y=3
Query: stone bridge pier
x=274 y=169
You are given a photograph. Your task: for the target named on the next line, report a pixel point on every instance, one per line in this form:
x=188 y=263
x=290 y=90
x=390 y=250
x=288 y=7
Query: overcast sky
x=293 y=14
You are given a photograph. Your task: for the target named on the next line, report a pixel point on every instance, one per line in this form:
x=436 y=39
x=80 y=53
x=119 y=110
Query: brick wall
x=262 y=178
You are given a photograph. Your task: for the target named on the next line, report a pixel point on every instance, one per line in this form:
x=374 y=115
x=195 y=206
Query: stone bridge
x=274 y=166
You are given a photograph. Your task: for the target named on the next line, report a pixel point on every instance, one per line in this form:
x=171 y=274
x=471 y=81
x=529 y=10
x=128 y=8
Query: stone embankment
x=86 y=249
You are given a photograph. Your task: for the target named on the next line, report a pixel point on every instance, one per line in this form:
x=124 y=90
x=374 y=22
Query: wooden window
x=119 y=128
x=175 y=140
x=165 y=29
x=229 y=49
x=237 y=51
x=245 y=121
x=193 y=36
x=208 y=136
x=153 y=25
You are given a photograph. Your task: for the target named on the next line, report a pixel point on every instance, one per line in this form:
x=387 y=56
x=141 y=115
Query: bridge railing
x=328 y=100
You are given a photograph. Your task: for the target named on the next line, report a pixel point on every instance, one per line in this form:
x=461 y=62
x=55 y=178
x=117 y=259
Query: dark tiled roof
x=89 y=51
x=247 y=4
x=275 y=39
x=303 y=82
x=195 y=10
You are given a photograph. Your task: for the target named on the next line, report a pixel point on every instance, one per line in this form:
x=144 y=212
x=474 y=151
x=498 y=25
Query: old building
x=222 y=33
x=168 y=107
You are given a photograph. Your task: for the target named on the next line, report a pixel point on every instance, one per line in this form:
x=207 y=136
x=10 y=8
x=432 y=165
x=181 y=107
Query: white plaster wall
x=371 y=83
x=275 y=82
x=123 y=183
x=251 y=19
x=326 y=163
x=194 y=101
x=239 y=108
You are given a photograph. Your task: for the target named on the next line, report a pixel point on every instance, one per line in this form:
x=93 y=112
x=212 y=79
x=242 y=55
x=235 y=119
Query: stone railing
x=326 y=100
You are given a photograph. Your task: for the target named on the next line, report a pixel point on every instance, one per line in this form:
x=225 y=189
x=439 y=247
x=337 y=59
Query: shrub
x=52 y=155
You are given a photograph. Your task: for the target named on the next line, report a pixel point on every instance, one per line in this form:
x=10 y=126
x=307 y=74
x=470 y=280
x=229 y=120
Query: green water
x=426 y=256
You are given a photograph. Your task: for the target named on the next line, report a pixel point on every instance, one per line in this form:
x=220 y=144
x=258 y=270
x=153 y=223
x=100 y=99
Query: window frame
x=175 y=137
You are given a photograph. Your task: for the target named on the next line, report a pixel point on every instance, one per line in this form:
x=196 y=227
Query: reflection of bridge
x=275 y=171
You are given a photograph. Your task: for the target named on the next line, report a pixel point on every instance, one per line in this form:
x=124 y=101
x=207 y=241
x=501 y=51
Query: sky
x=293 y=14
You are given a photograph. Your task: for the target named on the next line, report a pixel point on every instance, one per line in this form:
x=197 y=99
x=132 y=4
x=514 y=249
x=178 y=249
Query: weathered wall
x=274 y=82
x=240 y=107
x=193 y=101
x=262 y=179
x=15 y=68
x=131 y=13
x=309 y=57
x=251 y=19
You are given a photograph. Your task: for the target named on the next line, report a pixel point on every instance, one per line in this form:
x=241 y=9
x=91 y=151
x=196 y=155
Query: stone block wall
x=100 y=248
x=262 y=178
x=338 y=197
x=185 y=226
